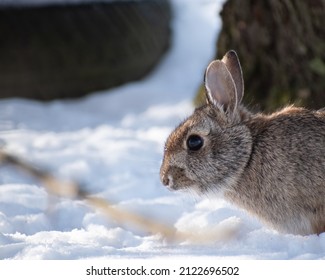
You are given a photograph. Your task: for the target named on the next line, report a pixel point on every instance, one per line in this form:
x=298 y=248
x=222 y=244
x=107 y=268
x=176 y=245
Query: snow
x=112 y=142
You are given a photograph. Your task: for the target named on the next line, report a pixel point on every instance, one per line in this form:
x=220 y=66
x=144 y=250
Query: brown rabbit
x=271 y=165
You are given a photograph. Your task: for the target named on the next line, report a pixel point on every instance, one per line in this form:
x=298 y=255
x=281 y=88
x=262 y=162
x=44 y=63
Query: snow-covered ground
x=112 y=142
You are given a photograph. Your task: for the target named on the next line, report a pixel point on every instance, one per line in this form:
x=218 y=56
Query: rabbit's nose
x=165 y=179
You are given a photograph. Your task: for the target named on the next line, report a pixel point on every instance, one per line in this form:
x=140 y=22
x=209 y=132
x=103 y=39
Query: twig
x=74 y=190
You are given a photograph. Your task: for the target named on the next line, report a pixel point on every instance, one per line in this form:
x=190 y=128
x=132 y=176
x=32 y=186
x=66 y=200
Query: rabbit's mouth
x=187 y=187
x=170 y=183
x=175 y=179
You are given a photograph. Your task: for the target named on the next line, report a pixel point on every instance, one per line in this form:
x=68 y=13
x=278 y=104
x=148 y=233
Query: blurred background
x=52 y=49
x=64 y=49
x=91 y=89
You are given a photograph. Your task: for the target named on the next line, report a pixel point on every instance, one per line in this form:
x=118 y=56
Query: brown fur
x=271 y=165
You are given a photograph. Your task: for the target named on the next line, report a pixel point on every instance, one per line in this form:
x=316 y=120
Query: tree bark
x=281 y=47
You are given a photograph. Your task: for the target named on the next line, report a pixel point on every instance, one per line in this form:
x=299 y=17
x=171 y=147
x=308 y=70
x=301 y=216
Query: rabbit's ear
x=233 y=65
x=220 y=87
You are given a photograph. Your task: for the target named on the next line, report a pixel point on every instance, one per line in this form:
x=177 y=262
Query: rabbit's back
x=284 y=180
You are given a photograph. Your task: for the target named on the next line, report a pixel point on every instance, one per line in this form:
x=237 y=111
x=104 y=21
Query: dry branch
x=74 y=190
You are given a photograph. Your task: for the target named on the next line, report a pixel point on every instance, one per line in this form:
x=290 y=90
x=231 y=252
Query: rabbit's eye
x=194 y=142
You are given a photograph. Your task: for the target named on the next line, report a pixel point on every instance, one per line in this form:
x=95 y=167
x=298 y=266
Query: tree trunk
x=282 y=49
x=281 y=46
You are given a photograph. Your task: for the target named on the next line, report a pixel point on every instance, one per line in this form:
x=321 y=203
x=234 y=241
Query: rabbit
x=271 y=165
